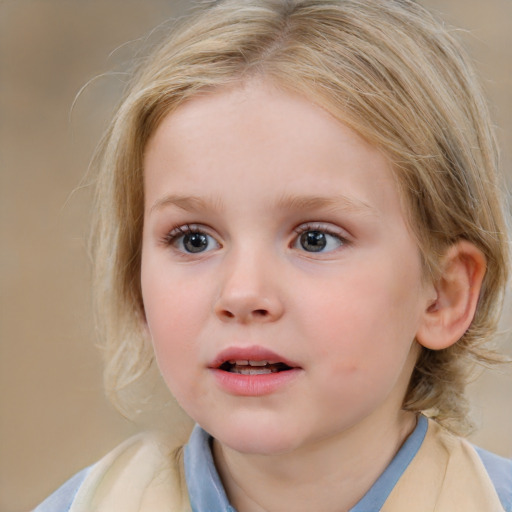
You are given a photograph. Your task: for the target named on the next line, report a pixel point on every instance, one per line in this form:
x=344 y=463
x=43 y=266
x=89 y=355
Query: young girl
x=298 y=217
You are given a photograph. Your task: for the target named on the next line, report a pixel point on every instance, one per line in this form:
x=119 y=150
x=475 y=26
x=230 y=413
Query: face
x=281 y=284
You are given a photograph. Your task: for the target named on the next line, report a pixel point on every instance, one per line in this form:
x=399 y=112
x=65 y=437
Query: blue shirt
x=207 y=493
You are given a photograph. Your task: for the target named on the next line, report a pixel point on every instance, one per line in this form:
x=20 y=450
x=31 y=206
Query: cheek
x=172 y=324
x=365 y=351
x=174 y=309
x=368 y=318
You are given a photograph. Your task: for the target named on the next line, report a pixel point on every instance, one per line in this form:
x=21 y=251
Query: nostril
x=246 y=311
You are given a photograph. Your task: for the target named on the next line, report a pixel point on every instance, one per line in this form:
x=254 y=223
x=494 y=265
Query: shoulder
x=145 y=468
x=499 y=470
x=459 y=478
x=62 y=499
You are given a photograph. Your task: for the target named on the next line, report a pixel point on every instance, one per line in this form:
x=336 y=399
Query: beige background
x=54 y=419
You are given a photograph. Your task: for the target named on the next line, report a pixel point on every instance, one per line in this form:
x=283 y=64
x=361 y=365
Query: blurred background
x=54 y=419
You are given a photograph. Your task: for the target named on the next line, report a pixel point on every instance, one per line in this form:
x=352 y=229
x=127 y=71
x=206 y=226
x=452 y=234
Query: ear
x=458 y=289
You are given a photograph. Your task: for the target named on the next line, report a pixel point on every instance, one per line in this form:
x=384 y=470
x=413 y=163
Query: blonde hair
x=387 y=69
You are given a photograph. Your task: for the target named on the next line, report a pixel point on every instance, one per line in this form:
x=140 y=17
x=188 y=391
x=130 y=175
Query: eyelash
x=317 y=226
x=178 y=231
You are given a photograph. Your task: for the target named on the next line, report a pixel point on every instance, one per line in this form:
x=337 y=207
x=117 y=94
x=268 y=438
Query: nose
x=248 y=292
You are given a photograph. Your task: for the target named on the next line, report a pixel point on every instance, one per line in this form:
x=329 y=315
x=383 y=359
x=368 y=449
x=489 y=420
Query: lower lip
x=254 y=385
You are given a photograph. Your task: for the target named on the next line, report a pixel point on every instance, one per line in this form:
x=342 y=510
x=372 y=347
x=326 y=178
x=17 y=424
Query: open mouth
x=249 y=367
x=253 y=371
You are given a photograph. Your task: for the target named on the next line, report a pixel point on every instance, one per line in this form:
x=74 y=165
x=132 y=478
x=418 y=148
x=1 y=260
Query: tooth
x=258 y=363
x=252 y=371
x=242 y=362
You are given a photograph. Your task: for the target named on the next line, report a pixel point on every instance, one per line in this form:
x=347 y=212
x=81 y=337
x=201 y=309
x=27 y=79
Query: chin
x=259 y=446
x=256 y=438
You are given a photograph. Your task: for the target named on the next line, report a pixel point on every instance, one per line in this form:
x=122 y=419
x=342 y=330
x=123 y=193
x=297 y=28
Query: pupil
x=313 y=241
x=195 y=242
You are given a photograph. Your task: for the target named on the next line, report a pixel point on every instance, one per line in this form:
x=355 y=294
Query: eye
x=191 y=240
x=317 y=240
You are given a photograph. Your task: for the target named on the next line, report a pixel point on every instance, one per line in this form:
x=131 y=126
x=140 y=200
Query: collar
x=207 y=493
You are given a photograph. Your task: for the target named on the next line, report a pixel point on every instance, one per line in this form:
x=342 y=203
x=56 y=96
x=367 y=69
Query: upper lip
x=252 y=353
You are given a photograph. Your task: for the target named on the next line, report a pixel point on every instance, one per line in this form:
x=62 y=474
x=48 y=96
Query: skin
x=248 y=167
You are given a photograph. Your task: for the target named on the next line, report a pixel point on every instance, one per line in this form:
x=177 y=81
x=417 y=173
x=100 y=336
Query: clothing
x=435 y=470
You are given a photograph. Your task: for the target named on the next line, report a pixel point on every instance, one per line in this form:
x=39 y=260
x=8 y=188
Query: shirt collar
x=207 y=493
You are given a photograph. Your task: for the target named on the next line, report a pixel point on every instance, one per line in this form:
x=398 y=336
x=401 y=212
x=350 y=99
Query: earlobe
x=446 y=319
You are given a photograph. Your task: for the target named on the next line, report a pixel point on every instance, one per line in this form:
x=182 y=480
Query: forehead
x=263 y=139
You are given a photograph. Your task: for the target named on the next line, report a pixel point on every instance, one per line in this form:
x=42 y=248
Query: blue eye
x=195 y=242
x=316 y=240
x=191 y=240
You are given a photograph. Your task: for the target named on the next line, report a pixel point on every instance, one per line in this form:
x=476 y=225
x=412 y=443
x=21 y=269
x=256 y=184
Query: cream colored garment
x=446 y=475
x=146 y=474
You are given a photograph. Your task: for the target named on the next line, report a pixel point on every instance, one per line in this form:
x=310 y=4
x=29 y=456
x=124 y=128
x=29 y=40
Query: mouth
x=253 y=367
x=253 y=371
x=253 y=360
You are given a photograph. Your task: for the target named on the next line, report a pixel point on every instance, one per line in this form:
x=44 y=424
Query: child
x=299 y=219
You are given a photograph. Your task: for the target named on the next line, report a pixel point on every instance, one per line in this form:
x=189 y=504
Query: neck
x=344 y=469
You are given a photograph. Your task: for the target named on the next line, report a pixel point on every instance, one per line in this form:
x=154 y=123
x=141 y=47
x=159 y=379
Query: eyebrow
x=335 y=202
x=188 y=203
x=285 y=202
